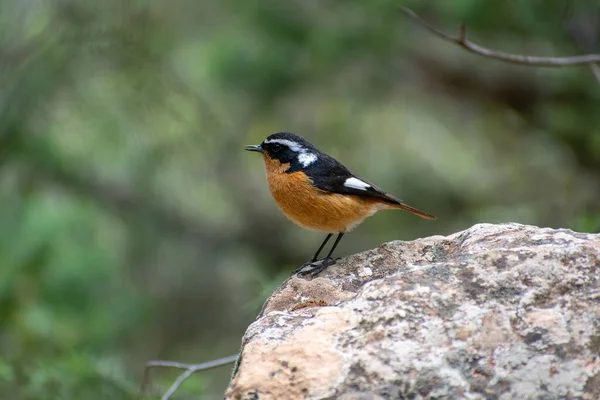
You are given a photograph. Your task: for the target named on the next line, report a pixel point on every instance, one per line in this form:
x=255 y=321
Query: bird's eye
x=276 y=148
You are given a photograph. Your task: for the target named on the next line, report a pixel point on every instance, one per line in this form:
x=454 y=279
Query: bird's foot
x=313 y=268
x=309 y=265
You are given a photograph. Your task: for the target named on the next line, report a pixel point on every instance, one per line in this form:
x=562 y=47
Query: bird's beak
x=254 y=147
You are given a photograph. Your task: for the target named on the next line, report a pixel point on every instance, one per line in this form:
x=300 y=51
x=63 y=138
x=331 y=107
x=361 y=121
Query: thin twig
x=583 y=31
x=596 y=71
x=462 y=41
x=177 y=383
x=189 y=370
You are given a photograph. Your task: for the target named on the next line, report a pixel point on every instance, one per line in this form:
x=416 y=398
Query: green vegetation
x=134 y=227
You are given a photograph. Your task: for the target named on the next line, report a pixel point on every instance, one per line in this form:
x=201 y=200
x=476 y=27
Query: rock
x=494 y=312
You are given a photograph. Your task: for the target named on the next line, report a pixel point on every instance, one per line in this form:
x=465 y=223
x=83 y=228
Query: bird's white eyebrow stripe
x=356 y=183
x=292 y=145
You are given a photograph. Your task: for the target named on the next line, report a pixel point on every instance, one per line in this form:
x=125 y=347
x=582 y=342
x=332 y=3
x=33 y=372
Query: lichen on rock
x=494 y=312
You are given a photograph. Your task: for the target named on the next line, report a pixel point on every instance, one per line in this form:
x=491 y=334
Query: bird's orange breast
x=313 y=208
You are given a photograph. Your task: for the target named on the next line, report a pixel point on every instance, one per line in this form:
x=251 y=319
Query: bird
x=317 y=192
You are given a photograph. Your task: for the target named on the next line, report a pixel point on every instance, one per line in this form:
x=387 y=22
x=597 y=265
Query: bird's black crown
x=292 y=137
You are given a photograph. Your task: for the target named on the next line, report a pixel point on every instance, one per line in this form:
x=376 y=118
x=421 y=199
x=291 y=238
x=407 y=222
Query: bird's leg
x=314 y=258
x=327 y=260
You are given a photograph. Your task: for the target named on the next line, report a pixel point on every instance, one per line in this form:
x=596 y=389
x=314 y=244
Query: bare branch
x=462 y=41
x=189 y=370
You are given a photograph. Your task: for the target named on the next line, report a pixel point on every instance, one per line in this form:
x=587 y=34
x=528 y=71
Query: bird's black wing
x=330 y=175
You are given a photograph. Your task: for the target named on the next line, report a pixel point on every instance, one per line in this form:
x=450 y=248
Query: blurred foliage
x=133 y=226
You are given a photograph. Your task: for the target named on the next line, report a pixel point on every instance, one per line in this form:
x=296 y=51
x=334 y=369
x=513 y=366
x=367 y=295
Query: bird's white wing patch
x=306 y=158
x=356 y=183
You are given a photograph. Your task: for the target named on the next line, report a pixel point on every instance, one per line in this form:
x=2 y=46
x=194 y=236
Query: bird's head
x=287 y=148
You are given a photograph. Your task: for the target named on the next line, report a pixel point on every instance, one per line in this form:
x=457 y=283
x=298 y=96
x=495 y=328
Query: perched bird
x=317 y=192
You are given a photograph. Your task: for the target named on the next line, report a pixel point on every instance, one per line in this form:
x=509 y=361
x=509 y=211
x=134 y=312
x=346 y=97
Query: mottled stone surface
x=494 y=312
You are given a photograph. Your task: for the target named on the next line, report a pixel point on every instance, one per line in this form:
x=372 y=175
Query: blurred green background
x=134 y=227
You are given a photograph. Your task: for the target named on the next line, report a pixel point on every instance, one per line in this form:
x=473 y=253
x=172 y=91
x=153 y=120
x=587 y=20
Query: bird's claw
x=316 y=267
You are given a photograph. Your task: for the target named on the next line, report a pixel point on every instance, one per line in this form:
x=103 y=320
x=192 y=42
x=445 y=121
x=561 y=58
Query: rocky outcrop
x=494 y=312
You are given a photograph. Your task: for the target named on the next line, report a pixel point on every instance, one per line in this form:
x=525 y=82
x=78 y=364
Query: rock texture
x=494 y=312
